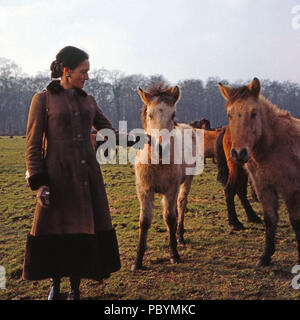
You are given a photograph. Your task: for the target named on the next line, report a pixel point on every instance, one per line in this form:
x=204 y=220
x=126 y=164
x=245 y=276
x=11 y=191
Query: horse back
x=210 y=138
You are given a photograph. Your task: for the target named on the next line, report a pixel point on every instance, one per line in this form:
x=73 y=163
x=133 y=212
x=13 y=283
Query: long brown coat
x=78 y=202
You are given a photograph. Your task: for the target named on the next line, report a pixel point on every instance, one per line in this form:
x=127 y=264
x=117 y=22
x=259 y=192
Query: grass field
x=217 y=263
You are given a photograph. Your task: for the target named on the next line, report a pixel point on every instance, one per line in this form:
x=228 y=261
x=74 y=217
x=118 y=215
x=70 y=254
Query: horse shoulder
x=259 y=174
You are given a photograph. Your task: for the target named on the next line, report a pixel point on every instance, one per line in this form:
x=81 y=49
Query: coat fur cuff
x=38 y=180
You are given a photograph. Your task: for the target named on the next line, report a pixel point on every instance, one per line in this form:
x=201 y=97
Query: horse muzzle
x=241 y=156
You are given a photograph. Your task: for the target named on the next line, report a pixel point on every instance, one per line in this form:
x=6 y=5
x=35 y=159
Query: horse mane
x=274 y=108
x=156 y=89
x=279 y=119
x=243 y=93
x=273 y=116
x=280 y=127
x=238 y=94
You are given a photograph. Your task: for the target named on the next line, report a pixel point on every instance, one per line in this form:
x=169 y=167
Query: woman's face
x=79 y=75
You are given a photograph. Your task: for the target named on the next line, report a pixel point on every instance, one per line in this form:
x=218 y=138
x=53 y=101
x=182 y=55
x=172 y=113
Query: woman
x=72 y=234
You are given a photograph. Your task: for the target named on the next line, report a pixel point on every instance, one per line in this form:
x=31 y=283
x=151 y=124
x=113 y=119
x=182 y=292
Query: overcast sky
x=180 y=39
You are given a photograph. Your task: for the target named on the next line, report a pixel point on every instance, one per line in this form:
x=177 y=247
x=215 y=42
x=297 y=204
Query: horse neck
x=272 y=133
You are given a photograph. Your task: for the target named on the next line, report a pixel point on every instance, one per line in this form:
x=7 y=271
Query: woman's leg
x=74 y=294
x=54 y=289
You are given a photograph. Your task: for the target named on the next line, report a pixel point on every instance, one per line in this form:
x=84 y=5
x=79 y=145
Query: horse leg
x=269 y=200
x=170 y=218
x=182 y=201
x=146 y=211
x=230 y=191
x=242 y=193
x=296 y=226
x=293 y=205
x=253 y=192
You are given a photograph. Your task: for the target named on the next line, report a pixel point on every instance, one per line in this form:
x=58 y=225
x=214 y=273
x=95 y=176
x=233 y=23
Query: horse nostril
x=234 y=154
x=243 y=154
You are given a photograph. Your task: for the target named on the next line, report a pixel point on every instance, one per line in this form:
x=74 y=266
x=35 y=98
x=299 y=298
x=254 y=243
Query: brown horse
x=234 y=179
x=210 y=137
x=267 y=140
x=170 y=180
x=201 y=124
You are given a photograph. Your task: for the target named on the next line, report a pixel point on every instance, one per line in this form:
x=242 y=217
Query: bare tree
x=116 y=94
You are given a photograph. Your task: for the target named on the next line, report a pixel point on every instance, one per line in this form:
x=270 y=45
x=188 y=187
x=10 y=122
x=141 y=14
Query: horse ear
x=225 y=90
x=145 y=96
x=254 y=87
x=175 y=93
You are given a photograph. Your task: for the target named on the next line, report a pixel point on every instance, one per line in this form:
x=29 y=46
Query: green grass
x=217 y=263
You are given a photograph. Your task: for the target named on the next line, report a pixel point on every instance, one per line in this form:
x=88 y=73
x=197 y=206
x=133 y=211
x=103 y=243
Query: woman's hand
x=43 y=196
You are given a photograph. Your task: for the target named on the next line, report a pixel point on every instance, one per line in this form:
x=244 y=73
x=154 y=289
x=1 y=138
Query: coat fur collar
x=55 y=87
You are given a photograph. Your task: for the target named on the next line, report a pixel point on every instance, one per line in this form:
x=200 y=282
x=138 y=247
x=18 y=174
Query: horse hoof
x=180 y=241
x=174 y=260
x=237 y=226
x=135 y=267
x=255 y=219
x=263 y=262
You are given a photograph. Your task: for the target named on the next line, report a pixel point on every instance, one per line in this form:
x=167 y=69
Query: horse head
x=244 y=118
x=201 y=124
x=158 y=114
x=159 y=107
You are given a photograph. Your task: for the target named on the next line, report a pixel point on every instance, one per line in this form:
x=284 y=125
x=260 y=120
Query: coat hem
x=91 y=256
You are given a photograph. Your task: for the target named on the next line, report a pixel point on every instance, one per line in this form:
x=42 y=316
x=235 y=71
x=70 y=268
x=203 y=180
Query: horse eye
x=229 y=116
x=253 y=115
x=150 y=115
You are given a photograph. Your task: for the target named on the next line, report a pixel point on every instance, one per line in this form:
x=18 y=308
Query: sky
x=179 y=39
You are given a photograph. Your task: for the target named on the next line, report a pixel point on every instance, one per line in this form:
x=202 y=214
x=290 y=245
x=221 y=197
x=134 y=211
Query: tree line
x=116 y=94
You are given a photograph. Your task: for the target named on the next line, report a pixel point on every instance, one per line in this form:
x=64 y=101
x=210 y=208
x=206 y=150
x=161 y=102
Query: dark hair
x=69 y=57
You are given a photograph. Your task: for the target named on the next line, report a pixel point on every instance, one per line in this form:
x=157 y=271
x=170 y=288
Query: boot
x=54 y=289
x=74 y=294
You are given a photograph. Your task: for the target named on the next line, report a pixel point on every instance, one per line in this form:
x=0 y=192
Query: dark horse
x=201 y=124
x=234 y=179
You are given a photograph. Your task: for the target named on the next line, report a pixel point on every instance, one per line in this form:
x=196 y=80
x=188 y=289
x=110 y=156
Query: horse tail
x=223 y=171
